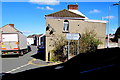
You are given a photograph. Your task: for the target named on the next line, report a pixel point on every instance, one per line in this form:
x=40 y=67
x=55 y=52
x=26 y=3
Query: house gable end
x=64 y=13
x=9 y=29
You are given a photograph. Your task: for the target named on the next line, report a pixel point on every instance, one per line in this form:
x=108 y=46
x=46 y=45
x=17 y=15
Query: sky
x=61 y=0
x=28 y=16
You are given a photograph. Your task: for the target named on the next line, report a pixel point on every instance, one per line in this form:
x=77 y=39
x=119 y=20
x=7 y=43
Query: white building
x=30 y=40
x=36 y=39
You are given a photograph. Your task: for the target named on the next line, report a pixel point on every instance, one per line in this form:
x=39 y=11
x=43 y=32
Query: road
x=16 y=64
x=98 y=65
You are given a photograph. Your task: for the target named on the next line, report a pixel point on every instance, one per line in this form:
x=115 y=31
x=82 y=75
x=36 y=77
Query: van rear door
x=9 y=41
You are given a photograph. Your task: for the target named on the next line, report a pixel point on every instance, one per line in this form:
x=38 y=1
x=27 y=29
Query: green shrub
x=58 y=51
x=88 y=43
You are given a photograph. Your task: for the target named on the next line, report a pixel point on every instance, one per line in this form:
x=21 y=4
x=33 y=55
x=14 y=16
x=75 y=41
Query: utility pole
x=0 y=52
x=108 y=27
x=109 y=23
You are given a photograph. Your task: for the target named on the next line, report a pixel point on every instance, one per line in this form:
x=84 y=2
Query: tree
x=117 y=35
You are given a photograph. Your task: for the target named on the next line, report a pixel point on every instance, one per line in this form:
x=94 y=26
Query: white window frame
x=66 y=26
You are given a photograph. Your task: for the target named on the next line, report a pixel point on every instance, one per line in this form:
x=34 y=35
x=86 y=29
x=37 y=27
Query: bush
x=58 y=53
x=88 y=43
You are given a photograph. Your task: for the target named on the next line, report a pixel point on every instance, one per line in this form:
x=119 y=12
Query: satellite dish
x=48 y=27
x=53 y=30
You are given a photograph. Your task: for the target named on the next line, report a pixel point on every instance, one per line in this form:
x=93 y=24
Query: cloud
x=94 y=11
x=109 y=17
x=48 y=8
x=45 y=2
x=40 y=8
x=45 y=8
x=114 y=30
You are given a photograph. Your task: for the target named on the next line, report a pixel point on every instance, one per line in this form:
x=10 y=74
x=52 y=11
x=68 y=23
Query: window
x=66 y=26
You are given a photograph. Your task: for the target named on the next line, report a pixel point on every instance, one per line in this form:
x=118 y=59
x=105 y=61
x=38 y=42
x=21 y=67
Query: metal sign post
x=78 y=47
x=68 y=49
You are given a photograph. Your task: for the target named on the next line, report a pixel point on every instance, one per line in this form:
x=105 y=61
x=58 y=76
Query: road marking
x=49 y=64
x=31 y=62
x=59 y=67
x=97 y=68
x=17 y=68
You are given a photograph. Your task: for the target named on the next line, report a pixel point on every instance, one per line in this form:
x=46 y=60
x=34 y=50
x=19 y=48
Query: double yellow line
x=50 y=64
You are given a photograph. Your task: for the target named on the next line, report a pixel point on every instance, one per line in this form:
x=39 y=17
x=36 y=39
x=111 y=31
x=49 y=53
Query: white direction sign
x=73 y=36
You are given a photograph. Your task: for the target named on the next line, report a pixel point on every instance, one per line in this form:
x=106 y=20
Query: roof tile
x=64 y=13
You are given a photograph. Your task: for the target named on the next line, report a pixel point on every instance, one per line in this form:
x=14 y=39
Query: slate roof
x=9 y=29
x=32 y=36
x=65 y=13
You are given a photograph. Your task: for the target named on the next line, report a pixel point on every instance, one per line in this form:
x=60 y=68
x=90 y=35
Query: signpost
x=72 y=36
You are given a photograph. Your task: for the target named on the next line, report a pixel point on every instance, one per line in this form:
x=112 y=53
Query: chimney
x=12 y=25
x=73 y=7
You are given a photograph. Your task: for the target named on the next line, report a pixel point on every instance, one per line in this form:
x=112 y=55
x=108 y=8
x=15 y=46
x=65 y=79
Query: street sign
x=73 y=36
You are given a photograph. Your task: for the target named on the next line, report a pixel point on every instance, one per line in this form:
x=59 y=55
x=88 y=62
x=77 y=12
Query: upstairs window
x=66 y=26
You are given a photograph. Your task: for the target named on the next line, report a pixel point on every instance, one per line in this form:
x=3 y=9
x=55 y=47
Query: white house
x=36 y=39
x=30 y=40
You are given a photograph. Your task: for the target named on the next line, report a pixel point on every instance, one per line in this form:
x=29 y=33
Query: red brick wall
x=73 y=7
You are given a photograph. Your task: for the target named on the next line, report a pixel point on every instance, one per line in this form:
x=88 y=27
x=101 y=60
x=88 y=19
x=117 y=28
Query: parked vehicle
x=41 y=51
x=41 y=48
x=14 y=43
